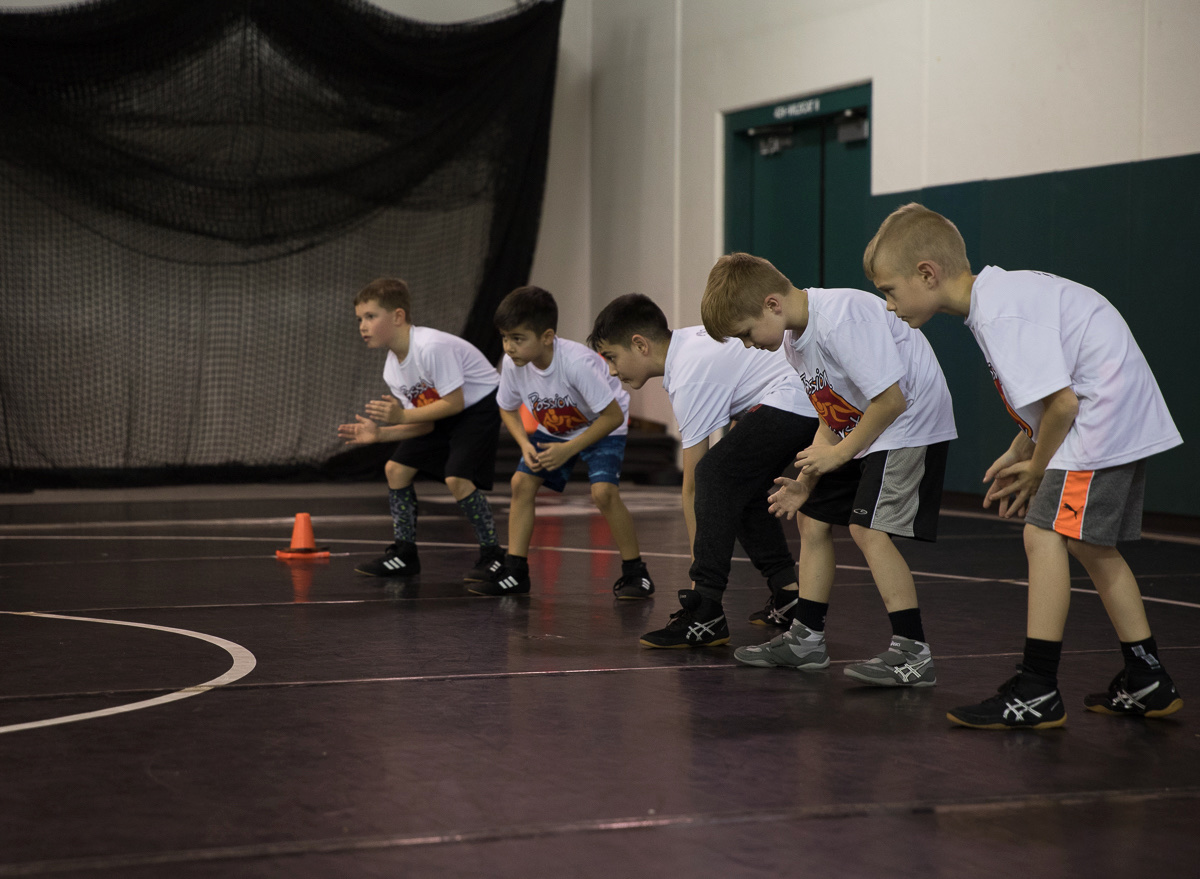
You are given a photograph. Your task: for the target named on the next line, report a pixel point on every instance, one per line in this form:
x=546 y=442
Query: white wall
x=962 y=90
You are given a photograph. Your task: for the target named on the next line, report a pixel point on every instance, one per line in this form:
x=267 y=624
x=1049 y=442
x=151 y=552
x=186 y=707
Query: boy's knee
x=397 y=475
x=1037 y=538
x=604 y=494
x=460 y=487
x=524 y=486
x=812 y=529
x=864 y=536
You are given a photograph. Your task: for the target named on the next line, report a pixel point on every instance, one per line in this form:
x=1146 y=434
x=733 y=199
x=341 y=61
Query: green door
x=798 y=185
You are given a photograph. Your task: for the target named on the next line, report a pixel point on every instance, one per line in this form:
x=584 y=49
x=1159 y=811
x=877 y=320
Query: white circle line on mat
x=243 y=664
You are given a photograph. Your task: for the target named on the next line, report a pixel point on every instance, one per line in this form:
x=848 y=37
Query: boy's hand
x=789 y=497
x=553 y=455
x=362 y=432
x=1013 y=486
x=386 y=410
x=529 y=453
x=819 y=459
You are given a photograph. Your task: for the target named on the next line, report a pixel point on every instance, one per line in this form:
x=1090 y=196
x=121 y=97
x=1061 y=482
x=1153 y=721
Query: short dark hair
x=390 y=293
x=530 y=307
x=627 y=316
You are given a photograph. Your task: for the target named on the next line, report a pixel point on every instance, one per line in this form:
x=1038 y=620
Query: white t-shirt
x=438 y=364
x=854 y=349
x=566 y=396
x=711 y=382
x=1041 y=333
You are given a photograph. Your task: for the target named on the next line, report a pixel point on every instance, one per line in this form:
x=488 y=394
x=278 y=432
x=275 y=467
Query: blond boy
x=1089 y=412
x=876 y=464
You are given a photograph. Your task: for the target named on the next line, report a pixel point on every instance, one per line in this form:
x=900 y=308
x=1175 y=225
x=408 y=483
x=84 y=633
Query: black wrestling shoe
x=502 y=581
x=701 y=623
x=484 y=565
x=779 y=611
x=398 y=560
x=635 y=585
x=1022 y=702
x=1150 y=695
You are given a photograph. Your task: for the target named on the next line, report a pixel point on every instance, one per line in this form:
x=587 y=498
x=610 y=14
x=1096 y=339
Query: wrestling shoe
x=799 y=648
x=700 y=623
x=502 y=581
x=906 y=663
x=635 y=585
x=1022 y=702
x=1151 y=695
x=491 y=559
x=398 y=560
x=780 y=609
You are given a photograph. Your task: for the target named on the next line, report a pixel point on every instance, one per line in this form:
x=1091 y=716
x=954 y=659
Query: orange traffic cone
x=303 y=545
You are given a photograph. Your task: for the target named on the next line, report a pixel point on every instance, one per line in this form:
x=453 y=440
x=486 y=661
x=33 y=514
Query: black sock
x=812 y=613
x=1041 y=659
x=517 y=564
x=631 y=566
x=907 y=624
x=1141 y=657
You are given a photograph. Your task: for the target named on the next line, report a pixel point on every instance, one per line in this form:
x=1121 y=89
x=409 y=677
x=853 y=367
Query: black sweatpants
x=733 y=480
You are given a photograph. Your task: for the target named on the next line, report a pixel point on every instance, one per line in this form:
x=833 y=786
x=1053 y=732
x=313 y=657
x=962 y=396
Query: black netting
x=191 y=193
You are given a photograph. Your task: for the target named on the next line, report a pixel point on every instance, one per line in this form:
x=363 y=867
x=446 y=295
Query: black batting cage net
x=192 y=193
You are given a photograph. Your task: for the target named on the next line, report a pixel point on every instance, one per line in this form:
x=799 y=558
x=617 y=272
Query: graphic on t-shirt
x=839 y=416
x=1011 y=411
x=556 y=414
x=421 y=394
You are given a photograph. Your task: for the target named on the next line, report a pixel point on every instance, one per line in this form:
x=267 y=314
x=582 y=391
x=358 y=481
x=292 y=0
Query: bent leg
x=1049 y=583
x=1117 y=586
x=607 y=498
x=521 y=512
x=888 y=568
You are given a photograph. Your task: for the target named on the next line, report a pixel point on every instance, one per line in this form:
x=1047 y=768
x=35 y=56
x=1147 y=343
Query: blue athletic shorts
x=603 y=458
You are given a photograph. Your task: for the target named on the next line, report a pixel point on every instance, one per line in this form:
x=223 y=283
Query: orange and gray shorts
x=1095 y=506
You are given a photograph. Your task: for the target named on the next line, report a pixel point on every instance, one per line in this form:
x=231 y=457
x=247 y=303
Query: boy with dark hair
x=725 y=487
x=1090 y=413
x=582 y=414
x=876 y=464
x=442 y=410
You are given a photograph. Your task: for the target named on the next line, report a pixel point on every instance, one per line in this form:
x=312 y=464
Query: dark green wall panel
x=1128 y=231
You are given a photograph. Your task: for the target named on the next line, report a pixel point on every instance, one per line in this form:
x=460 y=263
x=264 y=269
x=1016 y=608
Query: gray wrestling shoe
x=906 y=663
x=799 y=647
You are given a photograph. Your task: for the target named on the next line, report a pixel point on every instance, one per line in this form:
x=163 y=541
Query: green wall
x=1123 y=229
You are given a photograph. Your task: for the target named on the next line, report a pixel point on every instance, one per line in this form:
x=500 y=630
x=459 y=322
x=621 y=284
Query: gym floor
x=174 y=701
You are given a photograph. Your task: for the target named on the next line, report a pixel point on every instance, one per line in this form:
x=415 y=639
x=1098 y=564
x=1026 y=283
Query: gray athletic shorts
x=1094 y=506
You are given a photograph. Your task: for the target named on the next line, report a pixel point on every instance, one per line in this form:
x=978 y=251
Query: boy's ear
x=399 y=316
x=639 y=343
x=548 y=336
x=773 y=303
x=929 y=272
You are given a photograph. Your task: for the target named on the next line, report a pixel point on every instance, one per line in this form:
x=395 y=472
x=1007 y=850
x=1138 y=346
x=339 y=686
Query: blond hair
x=736 y=288
x=912 y=233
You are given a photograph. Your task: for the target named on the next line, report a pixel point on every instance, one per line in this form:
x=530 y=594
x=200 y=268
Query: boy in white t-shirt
x=1089 y=411
x=725 y=487
x=877 y=462
x=582 y=414
x=442 y=409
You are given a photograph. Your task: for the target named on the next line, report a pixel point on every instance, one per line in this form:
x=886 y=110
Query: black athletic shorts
x=463 y=445
x=898 y=491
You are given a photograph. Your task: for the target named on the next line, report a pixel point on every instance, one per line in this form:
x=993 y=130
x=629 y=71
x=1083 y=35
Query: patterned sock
x=479 y=514
x=811 y=614
x=907 y=624
x=1141 y=657
x=403 y=502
